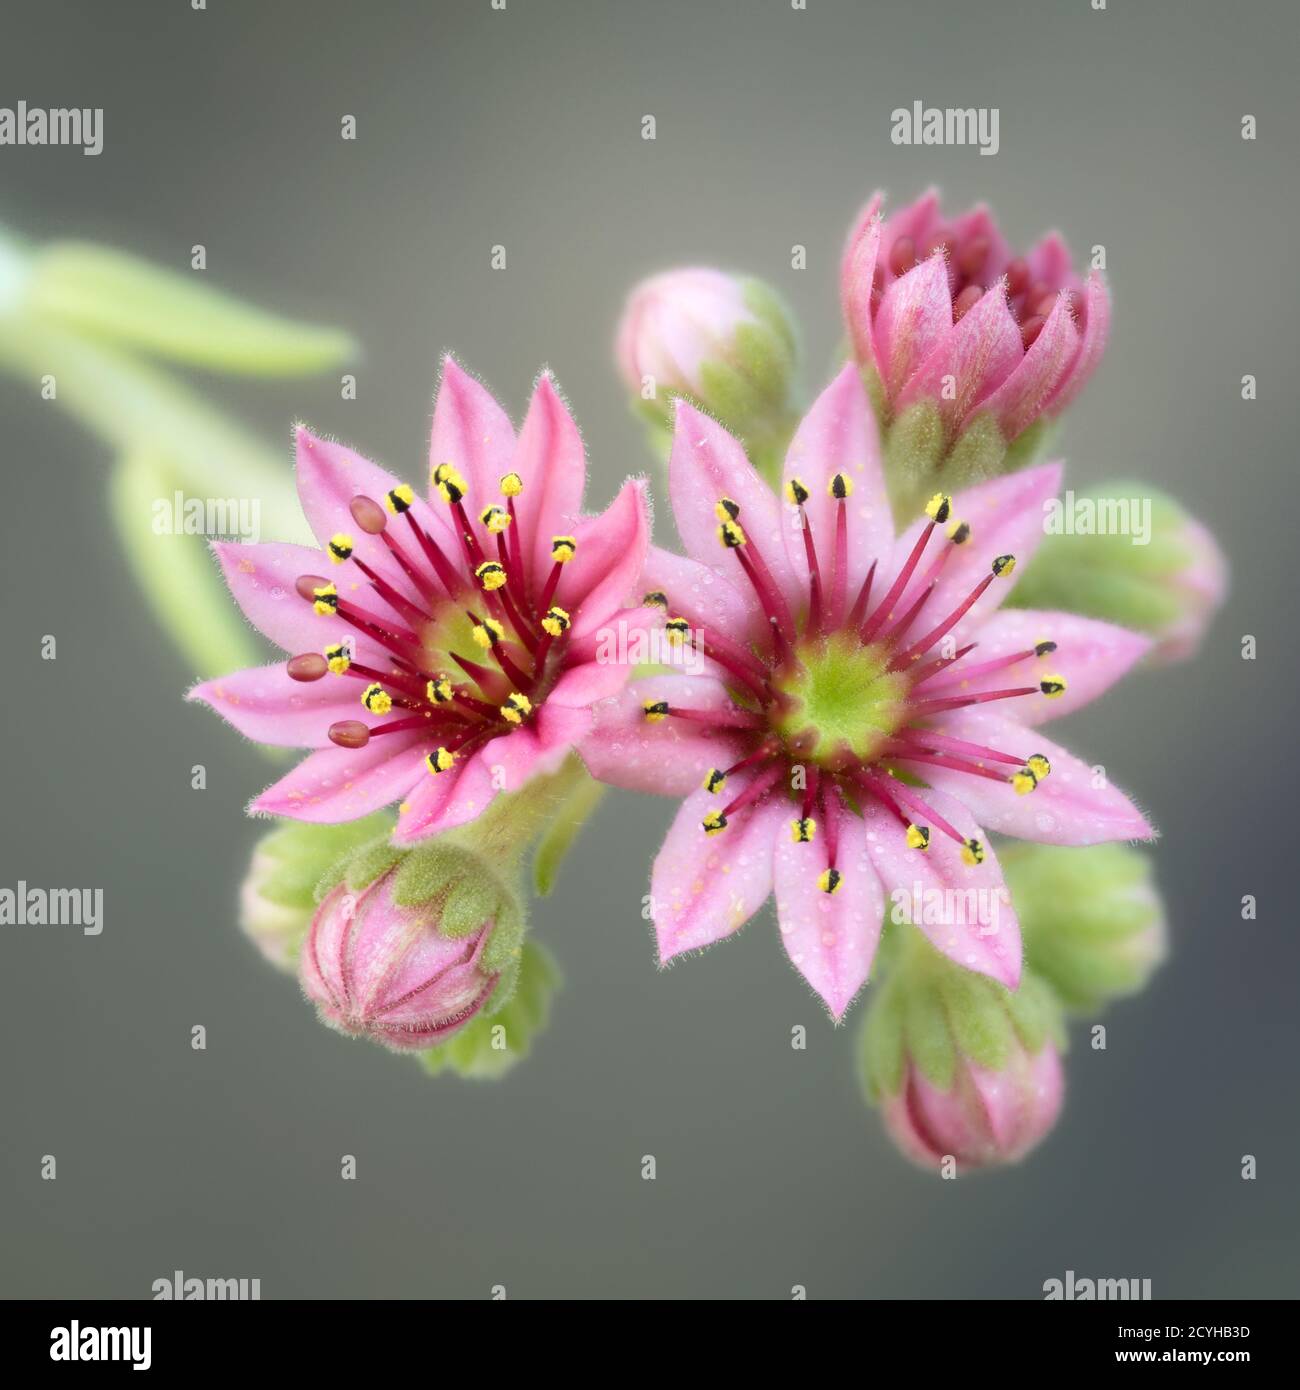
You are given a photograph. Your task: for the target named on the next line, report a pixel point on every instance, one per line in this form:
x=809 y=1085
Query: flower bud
x=1162 y=573
x=723 y=341
x=964 y=1070
x=408 y=947
x=1092 y=919
x=277 y=899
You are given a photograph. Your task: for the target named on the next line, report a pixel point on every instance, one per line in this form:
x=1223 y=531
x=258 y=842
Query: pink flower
x=442 y=650
x=928 y=299
x=843 y=668
x=384 y=971
x=985 y=1117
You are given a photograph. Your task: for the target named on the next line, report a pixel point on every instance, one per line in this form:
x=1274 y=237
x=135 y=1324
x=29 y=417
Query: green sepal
x=977 y=1014
x=503 y=1034
x=914 y=444
x=558 y=839
x=979 y=454
x=881 y=1051
x=926 y=1033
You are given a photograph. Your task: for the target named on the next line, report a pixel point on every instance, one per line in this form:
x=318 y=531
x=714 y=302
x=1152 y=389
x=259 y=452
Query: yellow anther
x=451 y=485
x=655 y=711
x=829 y=880
x=972 y=852
x=338 y=657
x=725 y=509
x=959 y=532
x=555 y=621
x=656 y=598
x=1004 y=564
x=1052 y=686
x=325 y=599
x=714 y=823
x=491 y=574
x=488 y=632
x=439 y=760
x=1038 y=765
x=797 y=492
x=376 y=699
x=563 y=549
x=1042 y=648
x=517 y=708
x=803 y=830
x=439 y=690
x=939 y=507
x=840 y=487
x=1024 y=781
x=511 y=485
x=495 y=518
x=918 y=837
x=678 y=630
x=340 y=547
x=400 y=499
x=731 y=534
x=714 y=780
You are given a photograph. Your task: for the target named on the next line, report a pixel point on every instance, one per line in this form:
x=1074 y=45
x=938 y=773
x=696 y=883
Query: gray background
x=523 y=127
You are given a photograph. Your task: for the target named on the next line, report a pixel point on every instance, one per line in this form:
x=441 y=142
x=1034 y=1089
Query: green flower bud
x=1092 y=919
x=279 y=894
x=1131 y=555
x=724 y=342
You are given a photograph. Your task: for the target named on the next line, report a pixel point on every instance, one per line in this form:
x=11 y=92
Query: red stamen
x=552 y=583
x=933 y=668
x=935 y=706
x=929 y=738
x=918 y=649
x=720 y=719
x=955 y=764
x=886 y=605
x=839 y=566
x=445 y=570
x=884 y=787
x=762 y=784
x=814 y=575
x=860 y=603
x=400 y=605
x=998 y=663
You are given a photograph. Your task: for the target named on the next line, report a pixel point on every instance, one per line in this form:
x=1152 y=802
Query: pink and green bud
x=277 y=899
x=408 y=947
x=1163 y=575
x=965 y=345
x=1093 y=919
x=724 y=342
x=966 y=1073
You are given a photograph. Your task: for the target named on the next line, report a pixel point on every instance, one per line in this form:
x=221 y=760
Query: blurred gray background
x=523 y=127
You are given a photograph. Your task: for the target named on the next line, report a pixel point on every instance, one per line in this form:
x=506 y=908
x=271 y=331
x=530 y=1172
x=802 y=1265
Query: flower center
x=842 y=703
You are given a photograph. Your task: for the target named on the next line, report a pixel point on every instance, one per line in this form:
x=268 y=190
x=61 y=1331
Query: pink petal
x=536 y=748
x=265 y=704
x=339 y=784
x=699 y=592
x=550 y=459
x=964 y=910
x=914 y=315
x=705 y=887
x=839 y=435
x=669 y=758
x=707 y=464
x=329 y=477
x=581 y=686
x=1023 y=396
x=857 y=266
x=620 y=643
x=472 y=432
x=1006 y=518
x=978 y=353
x=918 y=220
x=446 y=800
x=262 y=577
x=980 y=222
x=830 y=938
x=1092 y=655
x=1050 y=262
x=602 y=576
x=1066 y=808
x=1096 y=330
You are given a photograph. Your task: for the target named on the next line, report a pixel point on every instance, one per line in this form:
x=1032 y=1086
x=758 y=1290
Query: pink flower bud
x=986 y=1117
x=385 y=971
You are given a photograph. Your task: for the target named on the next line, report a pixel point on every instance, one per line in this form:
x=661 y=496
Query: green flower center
x=842 y=703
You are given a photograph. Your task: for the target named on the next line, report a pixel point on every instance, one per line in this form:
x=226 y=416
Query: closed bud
x=723 y=341
x=1131 y=555
x=962 y=1068
x=408 y=947
x=1093 y=920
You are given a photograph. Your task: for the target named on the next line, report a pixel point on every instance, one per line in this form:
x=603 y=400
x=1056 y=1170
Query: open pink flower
x=940 y=310
x=863 y=714
x=442 y=650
